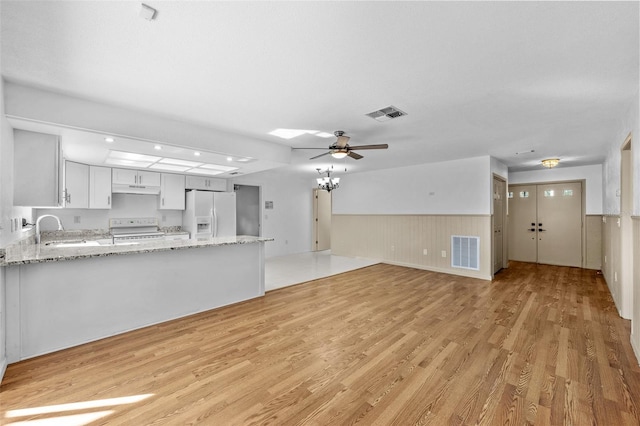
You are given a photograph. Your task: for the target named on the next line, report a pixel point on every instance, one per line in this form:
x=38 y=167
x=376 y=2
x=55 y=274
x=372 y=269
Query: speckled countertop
x=26 y=251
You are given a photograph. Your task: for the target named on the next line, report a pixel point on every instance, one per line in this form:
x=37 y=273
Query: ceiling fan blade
x=354 y=155
x=321 y=155
x=342 y=141
x=308 y=148
x=378 y=146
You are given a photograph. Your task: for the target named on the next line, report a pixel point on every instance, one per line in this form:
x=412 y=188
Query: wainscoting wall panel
x=635 y=324
x=611 y=265
x=593 y=242
x=404 y=239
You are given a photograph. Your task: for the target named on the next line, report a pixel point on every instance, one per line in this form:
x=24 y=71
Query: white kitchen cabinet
x=76 y=185
x=172 y=189
x=135 y=177
x=37 y=166
x=99 y=187
x=206 y=183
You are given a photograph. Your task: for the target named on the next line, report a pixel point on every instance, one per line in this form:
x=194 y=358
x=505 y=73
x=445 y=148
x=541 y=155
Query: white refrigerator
x=210 y=214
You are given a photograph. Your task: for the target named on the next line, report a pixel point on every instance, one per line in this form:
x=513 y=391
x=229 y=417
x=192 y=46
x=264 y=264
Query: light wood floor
x=381 y=345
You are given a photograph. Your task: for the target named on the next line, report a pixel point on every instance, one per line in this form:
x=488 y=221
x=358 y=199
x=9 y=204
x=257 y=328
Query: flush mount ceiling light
x=292 y=133
x=550 y=162
x=109 y=140
x=142 y=161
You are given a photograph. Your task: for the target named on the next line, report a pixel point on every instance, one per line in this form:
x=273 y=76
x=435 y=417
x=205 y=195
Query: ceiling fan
x=341 y=148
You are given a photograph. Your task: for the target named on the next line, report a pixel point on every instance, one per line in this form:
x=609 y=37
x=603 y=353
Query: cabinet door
x=125 y=176
x=37 y=169
x=216 y=184
x=148 y=178
x=99 y=187
x=196 y=182
x=172 y=192
x=76 y=184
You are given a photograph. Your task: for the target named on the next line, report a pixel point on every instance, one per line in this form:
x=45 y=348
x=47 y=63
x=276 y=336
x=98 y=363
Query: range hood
x=121 y=188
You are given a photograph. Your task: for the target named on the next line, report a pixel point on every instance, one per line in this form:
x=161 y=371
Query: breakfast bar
x=63 y=295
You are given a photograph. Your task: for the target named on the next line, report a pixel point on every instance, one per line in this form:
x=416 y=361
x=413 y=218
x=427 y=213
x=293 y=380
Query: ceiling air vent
x=386 y=114
x=235 y=173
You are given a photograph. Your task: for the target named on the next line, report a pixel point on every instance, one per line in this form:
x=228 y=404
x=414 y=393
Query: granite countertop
x=25 y=252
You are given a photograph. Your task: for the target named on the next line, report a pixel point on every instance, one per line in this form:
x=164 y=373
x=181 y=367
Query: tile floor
x=284 y=271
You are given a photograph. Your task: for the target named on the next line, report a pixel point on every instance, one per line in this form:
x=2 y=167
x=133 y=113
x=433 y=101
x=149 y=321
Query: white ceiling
x=476 y=78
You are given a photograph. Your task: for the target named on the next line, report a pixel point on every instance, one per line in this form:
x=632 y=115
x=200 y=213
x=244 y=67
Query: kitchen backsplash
x=124 y=205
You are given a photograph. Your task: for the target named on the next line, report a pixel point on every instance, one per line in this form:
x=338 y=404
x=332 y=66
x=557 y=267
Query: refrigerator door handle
x=215 y=222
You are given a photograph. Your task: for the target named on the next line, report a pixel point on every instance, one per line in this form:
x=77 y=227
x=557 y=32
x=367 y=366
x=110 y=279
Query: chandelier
x=550 y=162
x=327 y=182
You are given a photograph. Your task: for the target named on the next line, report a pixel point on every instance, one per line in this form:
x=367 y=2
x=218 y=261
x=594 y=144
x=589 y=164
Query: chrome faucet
x=60 y=227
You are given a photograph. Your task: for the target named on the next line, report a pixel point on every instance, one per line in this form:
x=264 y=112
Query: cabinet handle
x=108 y=200
x=140 y=179
x=135 y=179
x=163 y=201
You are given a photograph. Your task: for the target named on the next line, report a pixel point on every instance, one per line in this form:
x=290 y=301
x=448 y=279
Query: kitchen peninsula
x=63 y=295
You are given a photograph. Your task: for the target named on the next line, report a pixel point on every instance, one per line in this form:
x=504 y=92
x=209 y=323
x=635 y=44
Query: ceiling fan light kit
x=550 y=162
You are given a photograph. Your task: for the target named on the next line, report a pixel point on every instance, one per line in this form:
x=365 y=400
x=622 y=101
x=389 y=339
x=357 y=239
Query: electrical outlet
x=76 y=219
x=425 y=252
x=164 y=218
x=615 y=277
x=393 y=248
x=444 y=253
x=605 y=258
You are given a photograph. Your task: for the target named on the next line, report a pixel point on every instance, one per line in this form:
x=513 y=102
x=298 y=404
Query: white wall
x=449 y=187
x=289 y=222
x=591 y=174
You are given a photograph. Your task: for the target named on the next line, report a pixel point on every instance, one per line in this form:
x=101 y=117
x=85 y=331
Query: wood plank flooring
x=540 y=345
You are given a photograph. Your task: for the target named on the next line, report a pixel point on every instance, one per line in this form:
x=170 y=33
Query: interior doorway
x=321 y=239
x=499 y=221
x=545 y=223
x=247 y=210
x=629 y=308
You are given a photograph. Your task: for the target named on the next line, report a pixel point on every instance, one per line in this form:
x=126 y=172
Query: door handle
x=541 y=230
x=533 y=224
x=532 y=229
x=539 y=224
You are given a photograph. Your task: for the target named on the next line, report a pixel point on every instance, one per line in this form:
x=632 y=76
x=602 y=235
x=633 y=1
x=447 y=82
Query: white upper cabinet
x=172 y=192
x=37 y=168
x=99 y=187
x=76 y=185
x=206 y=183
x=135 y=177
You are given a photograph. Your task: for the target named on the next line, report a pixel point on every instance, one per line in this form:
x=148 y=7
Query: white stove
x=135 y=230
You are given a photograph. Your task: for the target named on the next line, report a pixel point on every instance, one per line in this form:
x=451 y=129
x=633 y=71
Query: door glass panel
x=524 y=194
x=549 y=193
x=568 y=193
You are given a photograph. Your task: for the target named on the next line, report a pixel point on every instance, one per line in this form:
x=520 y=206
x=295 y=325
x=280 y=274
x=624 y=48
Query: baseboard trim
x=461 y=273
x=3 y=368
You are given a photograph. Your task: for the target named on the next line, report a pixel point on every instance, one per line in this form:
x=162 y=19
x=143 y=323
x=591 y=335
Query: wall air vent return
x=386 y=114
x=465 y=252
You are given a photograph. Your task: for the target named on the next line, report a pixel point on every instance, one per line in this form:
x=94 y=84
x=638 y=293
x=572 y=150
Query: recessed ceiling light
x=324 y=134
x=197 y=154
x=109 y=140
x=158 y=147
x=292 y=133
x=229 y=159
